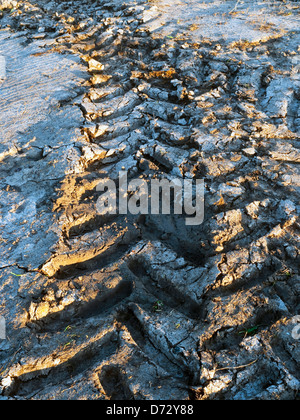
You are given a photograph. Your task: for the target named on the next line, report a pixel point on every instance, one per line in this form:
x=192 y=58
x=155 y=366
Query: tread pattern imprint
x=145 y=307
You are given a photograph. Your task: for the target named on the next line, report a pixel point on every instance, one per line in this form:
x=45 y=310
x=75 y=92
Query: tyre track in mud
x=138 y=307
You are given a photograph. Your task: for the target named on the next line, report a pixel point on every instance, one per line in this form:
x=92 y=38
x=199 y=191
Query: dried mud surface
x=146 y=307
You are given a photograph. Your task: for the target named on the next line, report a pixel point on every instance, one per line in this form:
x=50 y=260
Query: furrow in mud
x=202 y=312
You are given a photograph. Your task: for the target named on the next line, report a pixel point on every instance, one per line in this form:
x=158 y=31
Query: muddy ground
x=145 y=307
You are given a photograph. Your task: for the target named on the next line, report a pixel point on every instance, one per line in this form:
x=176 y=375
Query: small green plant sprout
x=158 y=306
x=69 y=344
x=68 y=328
x=250 y=332
x=16 y=275
x=285 y=271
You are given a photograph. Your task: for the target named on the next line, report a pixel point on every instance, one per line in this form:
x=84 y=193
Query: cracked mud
x=145 y=307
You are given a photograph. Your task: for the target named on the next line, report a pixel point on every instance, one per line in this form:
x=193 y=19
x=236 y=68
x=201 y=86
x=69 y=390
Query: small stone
x=6 y=381
x=250 y=151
